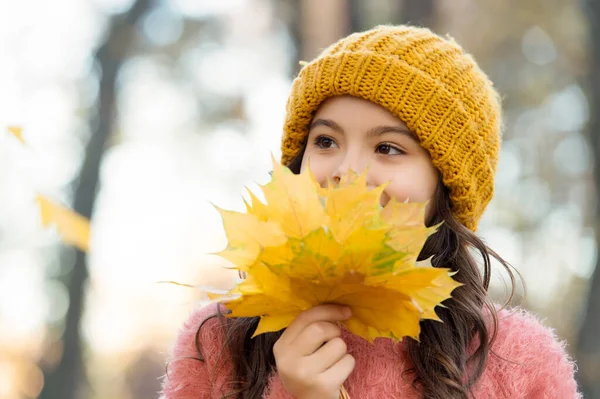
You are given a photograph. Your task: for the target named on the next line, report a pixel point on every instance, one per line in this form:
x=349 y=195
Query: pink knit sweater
x=538 y=366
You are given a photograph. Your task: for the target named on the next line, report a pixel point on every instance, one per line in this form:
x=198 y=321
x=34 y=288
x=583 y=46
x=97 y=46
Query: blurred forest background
x=138 y=113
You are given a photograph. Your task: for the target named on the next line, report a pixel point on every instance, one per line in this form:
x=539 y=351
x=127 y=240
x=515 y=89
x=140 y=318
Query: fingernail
x=347 y=311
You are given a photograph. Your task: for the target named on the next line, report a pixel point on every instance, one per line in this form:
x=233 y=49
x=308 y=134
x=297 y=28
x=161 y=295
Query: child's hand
x=311 y=358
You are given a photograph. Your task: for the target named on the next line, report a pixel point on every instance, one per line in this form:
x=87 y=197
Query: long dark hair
x=445 y=349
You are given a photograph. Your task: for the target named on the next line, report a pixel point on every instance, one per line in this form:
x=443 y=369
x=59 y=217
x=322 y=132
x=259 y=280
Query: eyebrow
x=373 y=132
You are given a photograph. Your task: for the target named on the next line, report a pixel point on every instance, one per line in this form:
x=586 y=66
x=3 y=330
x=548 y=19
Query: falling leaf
x=73 y=228
x=17 y=132
x=309 y=246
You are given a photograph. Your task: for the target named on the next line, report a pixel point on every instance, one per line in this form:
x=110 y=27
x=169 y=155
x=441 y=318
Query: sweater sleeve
x=541 y=367
x=188 y=377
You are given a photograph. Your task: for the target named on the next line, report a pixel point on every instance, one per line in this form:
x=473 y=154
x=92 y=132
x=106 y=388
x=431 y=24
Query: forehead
x=354 y=109
x=348 y=111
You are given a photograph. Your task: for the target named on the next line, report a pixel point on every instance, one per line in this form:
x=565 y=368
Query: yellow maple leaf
x=17 y=132
x=256 y=207
x=73 y=228
x=308 y=246
x=294 y=202
x=247 y=236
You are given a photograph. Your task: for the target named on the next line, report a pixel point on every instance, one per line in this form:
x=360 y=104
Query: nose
x=350 y=161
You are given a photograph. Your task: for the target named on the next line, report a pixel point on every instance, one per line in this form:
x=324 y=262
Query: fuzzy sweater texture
x=536 y=366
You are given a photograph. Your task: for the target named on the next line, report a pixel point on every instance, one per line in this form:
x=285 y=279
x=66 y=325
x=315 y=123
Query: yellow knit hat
x=434 y=87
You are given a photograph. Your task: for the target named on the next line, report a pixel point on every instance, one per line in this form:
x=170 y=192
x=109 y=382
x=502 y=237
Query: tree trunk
x=356 y=11
x=588 y=346
x=290 y=11
x=322 y=24
x=418 y=12
x=67 y=378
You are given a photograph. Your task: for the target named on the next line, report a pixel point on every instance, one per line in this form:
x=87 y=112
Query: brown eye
x=325 y=142
x=388 y=149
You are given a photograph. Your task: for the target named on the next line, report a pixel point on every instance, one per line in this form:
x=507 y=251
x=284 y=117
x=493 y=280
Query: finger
x=337 y=374
x=314 y=336
x=328 y=355
x=329 y=312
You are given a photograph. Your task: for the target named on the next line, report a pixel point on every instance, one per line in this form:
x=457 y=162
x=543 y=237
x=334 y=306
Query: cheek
x=318 y=166
x=402 y=191
x=306 y=162
x=416 y=185
x=411 y=190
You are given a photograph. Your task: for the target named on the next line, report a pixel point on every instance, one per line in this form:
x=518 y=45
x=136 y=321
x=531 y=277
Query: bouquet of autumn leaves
x=310 y=245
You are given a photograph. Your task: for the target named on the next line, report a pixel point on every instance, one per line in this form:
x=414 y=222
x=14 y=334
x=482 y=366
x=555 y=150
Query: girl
x=419 y=111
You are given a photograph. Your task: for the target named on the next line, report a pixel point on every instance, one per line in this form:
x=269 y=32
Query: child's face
x=351 y=133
